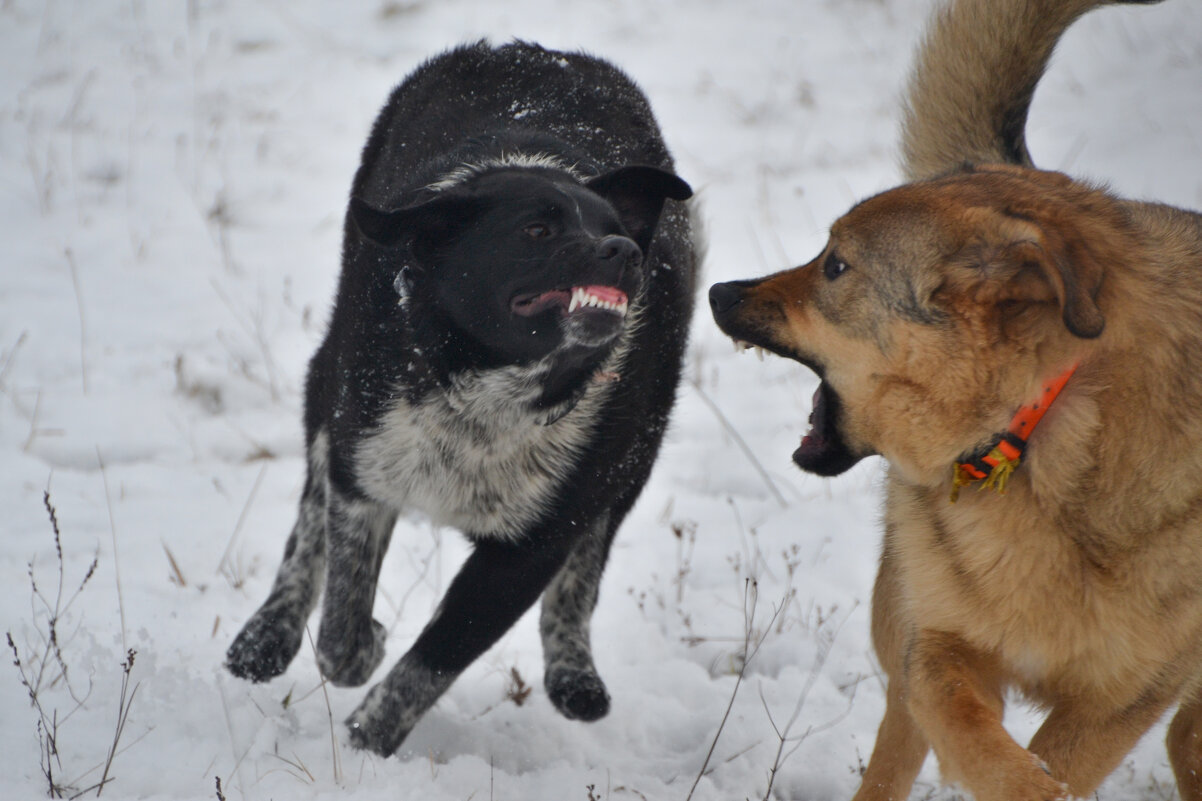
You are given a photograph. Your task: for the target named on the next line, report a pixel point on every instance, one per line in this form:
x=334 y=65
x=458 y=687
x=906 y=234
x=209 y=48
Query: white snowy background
x=173 y=177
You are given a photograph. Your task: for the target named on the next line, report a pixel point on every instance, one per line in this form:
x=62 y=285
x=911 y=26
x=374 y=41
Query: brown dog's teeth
x=759 y=353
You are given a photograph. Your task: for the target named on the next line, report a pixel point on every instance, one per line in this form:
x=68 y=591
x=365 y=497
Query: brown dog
x=945 y=317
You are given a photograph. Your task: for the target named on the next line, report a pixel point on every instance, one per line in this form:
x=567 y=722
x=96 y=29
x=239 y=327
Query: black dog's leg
x=270 y=639
x=497 y=583
x=350 y=644
x=571 y=678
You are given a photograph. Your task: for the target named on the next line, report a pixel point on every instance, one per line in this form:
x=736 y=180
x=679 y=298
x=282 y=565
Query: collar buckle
x=995 y=464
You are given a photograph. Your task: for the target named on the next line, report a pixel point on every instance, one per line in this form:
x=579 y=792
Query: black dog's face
x=526 y=261
x=535 y=263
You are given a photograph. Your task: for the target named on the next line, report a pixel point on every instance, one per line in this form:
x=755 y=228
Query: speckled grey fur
x=570 y=676
x=452 y=382
x=271 y=638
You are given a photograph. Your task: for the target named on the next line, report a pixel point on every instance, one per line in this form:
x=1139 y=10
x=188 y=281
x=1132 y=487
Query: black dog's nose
x=619 y=248
x=725 y=296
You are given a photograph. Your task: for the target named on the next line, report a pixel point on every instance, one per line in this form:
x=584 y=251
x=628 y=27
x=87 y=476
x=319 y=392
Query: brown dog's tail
x=972 y=84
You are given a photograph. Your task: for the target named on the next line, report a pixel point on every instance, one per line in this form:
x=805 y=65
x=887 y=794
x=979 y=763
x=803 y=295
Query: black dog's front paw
x=348 y=660
x=265 y=646
x=577 y=694
x=382 y=722
x=394 y=706
x=369 y=732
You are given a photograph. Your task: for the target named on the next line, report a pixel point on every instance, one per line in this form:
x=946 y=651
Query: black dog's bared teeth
x=599 y=297
x=580 y=297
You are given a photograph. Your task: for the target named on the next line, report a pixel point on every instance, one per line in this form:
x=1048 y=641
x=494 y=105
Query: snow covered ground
x=172 y=182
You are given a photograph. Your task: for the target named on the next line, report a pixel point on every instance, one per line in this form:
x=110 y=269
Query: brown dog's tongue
x=812 y=440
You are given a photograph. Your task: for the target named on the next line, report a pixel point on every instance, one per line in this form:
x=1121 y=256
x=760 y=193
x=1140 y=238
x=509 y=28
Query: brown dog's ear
x=1076 y=275
x=1046 y=263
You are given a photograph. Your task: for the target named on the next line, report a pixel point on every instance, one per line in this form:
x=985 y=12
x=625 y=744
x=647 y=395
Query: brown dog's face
x=934 y=311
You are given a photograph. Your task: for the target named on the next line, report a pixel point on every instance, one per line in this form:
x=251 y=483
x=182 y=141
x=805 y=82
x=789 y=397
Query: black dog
x=503 y=354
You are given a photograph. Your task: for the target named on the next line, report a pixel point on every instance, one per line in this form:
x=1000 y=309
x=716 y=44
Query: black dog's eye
x=537 y=230
x=834 y=267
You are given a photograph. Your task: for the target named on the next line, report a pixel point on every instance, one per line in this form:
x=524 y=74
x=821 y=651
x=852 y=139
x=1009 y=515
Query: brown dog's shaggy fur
x=935 y=312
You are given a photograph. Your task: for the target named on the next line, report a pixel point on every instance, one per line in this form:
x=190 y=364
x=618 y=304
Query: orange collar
x=994 y=464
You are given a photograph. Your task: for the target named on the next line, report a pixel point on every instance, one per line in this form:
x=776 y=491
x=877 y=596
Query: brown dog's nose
x=727 y=295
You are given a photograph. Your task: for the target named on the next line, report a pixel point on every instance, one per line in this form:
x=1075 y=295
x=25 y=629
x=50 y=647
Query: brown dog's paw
x=1032 y=782
x=1015 y=775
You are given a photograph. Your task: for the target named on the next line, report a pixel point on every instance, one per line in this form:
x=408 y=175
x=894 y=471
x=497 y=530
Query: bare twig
x=52 y=644
x=686 y=539
x=124 y=703
x=229 y=725
x=12 y=354
x=296 y=763
x=516 y=690
x=223 y=568
x=113 y=529
x=99 y=765
x=37 y=673
x=33 y=422
x=177 y=575
x=83 y=323
x=255 y=330
x=421 y=566
x=750 y=596
x=730 y=429
x=756 y=565
x=335 y=757
x=54 y=612
x=47 y=728
x=778 y=761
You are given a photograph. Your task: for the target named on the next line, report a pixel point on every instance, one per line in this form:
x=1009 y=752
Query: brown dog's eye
x=834 y=267
x=537 y=231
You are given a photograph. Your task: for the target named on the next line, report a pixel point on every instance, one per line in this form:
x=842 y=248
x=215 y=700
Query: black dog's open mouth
x=577 y=300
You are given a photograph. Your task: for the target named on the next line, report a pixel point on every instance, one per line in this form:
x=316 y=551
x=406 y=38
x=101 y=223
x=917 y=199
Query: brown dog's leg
x=1185 y=749
x=898 y=754
x=900 y=747
x=1081 y=746
x=956 y=697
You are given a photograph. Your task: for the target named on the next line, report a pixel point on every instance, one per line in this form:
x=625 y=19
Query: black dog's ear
x=428 y=220
x=637 y=193
x=381 y=227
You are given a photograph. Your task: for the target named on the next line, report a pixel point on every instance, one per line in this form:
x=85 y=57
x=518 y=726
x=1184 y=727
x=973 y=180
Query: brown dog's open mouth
x=579 y=299
x=823 y=450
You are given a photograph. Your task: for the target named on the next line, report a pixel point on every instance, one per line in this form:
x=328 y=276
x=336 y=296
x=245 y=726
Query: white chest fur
x=477 y=458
